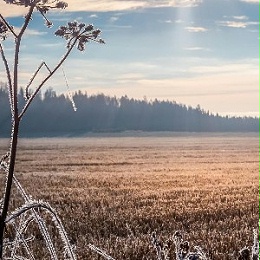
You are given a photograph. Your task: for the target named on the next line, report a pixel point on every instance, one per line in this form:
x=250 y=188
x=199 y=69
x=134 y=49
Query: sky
x=193 y=52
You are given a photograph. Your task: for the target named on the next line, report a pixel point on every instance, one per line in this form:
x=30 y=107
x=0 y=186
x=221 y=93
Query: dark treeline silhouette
x=53 y=115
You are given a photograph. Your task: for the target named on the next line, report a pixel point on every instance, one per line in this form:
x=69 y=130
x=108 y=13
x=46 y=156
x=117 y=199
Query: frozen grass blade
x=45 y=206
x=255 y=247
x=157 y=245
x=39 y=221
x=20 y=241
x=100 y=252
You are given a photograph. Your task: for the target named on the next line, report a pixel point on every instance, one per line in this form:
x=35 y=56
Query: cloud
x=196 y=49
x=229 y=90
x=172 y=3
x=51 y=45
x=250 y=1
x=236 y=24
x=116 y=5
x=196 y=29
x=169 y=21
x=30 y=32
x=103 y=5
x=241 y=17
x=179 y=21
x=215 y=86
x=93 y=16
x=113 y=19
x=245 y=66
x=9 y=10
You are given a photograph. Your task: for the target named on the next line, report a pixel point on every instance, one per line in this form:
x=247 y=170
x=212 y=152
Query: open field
x=114 y=191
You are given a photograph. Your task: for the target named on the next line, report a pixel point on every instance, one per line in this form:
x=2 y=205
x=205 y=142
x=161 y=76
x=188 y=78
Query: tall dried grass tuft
x=182 y=248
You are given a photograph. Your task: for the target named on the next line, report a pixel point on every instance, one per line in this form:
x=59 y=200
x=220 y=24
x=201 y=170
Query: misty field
x=114 y=191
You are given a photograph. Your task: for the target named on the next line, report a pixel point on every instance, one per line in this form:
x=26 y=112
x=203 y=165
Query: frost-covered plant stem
x=15 y=127
x=9 y=181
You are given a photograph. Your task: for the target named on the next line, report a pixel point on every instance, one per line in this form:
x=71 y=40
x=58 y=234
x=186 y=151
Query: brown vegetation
x=114 y=192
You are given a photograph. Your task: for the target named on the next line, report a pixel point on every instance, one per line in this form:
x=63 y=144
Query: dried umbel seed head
x=81 y=32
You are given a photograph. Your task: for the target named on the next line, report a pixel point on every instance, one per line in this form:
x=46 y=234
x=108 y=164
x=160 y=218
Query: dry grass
x=114 y=192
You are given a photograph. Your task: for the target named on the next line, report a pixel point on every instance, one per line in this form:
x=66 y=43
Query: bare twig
x=33 y=77
x=29 y=101
x=10 y=28
x=9 y=78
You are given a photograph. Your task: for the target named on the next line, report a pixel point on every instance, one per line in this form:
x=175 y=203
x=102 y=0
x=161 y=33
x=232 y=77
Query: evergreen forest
x=55 y=115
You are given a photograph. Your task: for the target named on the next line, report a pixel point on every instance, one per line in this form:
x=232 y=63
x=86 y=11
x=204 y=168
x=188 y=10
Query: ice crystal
x=69 y=92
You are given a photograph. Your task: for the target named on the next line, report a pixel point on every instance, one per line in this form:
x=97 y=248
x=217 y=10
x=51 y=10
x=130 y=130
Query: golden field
x=114 y=191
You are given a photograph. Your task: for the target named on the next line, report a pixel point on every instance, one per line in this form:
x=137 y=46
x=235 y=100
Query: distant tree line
x=53 y=115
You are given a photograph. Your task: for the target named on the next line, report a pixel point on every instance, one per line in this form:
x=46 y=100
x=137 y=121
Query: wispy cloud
x=169 y=21
x=212 y=86
x=172 y=3
x=196 y=49
x=8 y=10
x=196 y=29
x=250 y=1
x=30 y=32
x=207 y=90
x=241 y=17
x=103 y=5
x=93 y=16
x=236 y=23
x=113 y=19
x=116 y=5
x=51 y=45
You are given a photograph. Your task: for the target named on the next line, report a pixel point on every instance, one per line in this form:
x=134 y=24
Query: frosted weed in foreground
x=15 y=242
